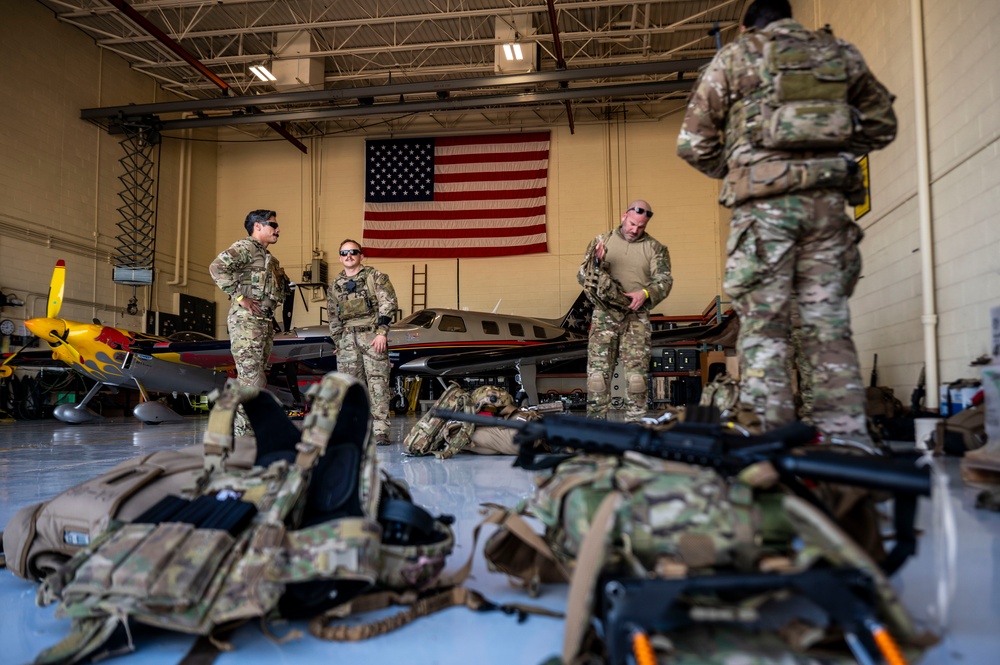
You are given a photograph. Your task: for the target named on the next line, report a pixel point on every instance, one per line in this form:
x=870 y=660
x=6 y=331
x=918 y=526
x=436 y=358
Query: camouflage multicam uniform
x=778 y=114
x=361 y=307
x=248 y=270
x=616 y=332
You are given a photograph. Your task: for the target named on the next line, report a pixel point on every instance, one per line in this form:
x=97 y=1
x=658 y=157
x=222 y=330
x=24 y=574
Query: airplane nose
x=51 y=330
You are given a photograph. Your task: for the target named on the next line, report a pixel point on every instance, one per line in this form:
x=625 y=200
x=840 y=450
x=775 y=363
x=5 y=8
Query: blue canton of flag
x=399 y=170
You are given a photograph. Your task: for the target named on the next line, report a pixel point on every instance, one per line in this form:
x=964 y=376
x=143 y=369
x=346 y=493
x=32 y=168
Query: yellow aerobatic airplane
x=124 y=358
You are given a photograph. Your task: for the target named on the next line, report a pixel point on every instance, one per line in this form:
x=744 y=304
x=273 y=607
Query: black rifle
x=712 y=445
x=873 y=381
x=630 y=606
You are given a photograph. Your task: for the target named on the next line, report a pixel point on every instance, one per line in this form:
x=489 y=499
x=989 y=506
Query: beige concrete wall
x=593 y=174
x=59 y=197
x=962 y=83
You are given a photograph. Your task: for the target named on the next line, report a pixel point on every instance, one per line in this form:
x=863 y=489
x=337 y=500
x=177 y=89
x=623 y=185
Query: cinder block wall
x=962 y=83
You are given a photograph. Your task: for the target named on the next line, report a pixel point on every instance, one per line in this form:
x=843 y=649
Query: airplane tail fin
x=577 y=318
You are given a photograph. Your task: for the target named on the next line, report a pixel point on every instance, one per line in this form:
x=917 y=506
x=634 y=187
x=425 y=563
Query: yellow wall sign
x=861 y=210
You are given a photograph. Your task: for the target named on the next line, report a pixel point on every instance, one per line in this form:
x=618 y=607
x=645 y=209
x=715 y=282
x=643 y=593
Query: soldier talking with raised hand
x=360 y=305
x=256 y=285
x=779 y=115
x=625 y=273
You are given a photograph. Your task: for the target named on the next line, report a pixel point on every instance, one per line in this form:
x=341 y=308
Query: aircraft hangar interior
x=475 y=152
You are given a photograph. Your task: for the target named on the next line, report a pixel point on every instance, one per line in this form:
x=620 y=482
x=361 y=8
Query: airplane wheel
x=153 y=422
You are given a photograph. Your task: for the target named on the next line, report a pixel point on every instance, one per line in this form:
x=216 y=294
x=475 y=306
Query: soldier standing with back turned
x=779 y=114
x=360 y=305
x=256 y=284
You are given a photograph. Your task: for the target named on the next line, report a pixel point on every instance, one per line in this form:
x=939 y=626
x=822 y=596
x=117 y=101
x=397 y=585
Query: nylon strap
x=324 y=628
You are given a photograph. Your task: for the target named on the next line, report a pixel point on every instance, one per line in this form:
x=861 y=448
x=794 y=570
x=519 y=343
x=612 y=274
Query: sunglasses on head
x=643 y=211
x=350 y=252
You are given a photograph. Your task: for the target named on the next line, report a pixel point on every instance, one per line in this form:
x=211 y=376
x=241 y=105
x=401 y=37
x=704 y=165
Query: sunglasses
x=273 y=225
x=350 y=252
x=643 y=211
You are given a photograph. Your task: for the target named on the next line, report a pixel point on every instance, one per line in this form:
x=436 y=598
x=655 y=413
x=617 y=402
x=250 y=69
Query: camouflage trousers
x=805 y=245
x=356 y=357
x=610 y=341
x=800 y=368
x=250 y=341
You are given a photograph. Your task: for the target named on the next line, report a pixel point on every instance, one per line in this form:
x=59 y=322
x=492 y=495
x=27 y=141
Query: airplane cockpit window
x=539 y=332
x=422 y=319
x=516 y=329
x=491 y=328
x=450 y=323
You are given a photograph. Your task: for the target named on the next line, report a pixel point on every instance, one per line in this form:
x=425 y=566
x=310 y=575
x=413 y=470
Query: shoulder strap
x=219 y=433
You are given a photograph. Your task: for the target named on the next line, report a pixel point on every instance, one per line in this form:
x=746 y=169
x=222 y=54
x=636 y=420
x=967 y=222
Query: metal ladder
x=418 y=289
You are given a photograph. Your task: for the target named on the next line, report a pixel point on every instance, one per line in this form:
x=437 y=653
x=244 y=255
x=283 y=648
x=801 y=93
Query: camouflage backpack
x=435 y=436
x=645 y=518
x=284 y=536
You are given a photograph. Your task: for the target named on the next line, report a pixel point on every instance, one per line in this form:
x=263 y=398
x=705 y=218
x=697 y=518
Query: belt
x=362 y=328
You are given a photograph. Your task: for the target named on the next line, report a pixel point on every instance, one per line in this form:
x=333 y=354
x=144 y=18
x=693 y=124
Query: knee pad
x=596 y=383
x=637 y=384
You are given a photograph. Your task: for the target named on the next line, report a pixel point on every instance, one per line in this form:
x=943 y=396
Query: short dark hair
x=343 y=242
x=762 y=13
x=257 y=217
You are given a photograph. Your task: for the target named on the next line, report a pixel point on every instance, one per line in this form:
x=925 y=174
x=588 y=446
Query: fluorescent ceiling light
x=513 y=51
x=260 y=71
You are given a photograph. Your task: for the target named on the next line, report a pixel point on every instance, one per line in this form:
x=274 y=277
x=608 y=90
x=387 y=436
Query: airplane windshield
x=422 y=319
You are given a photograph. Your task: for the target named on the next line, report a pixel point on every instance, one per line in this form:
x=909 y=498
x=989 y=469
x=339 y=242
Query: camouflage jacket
x=717 y=139
x=622 y=261
x=247 y=269
x=366 y=300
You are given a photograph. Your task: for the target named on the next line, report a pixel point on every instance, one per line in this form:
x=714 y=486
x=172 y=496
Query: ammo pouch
x=353 y=308
x=776 y=178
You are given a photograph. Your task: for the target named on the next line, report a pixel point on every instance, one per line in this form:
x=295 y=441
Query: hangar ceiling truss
x=408 y=65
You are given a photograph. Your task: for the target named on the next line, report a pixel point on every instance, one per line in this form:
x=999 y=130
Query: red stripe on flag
x=443 y=215
x=489 y=176
x=475 y=232
x=452 y=252
x=491 y=157
x=476 y=195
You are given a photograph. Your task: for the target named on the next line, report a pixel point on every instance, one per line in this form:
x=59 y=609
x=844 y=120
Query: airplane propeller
x=56 y=288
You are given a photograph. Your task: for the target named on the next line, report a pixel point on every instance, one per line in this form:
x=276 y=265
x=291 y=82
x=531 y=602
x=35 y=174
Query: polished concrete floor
x=39 y=459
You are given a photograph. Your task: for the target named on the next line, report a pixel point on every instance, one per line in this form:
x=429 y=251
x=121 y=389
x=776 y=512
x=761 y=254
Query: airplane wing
x=216 y=354
x=469 y=364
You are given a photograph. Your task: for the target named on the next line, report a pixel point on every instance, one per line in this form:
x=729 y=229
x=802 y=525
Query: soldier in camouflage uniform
x=625 y=273
x=256 y=284
x=779 y=115
x=361 y=303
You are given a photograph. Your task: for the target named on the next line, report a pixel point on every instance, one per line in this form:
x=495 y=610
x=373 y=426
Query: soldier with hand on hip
x=625 y=273
x=779 y=115
x=360 y=304
x=256 y=285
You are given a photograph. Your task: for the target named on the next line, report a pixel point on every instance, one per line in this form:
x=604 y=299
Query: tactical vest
x=800 y=105
x=601 y=289
x=264 y=278
x=238 y=543
x=357 y=305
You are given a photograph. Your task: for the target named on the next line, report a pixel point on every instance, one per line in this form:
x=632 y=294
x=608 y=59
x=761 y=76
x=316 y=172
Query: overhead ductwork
x=296 y=73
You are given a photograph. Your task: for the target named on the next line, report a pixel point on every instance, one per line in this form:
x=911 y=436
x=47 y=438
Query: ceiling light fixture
x=261 y=72
x=512 y=51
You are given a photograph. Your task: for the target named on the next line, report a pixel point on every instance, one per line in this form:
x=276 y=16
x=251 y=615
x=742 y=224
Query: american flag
x=456 y=197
